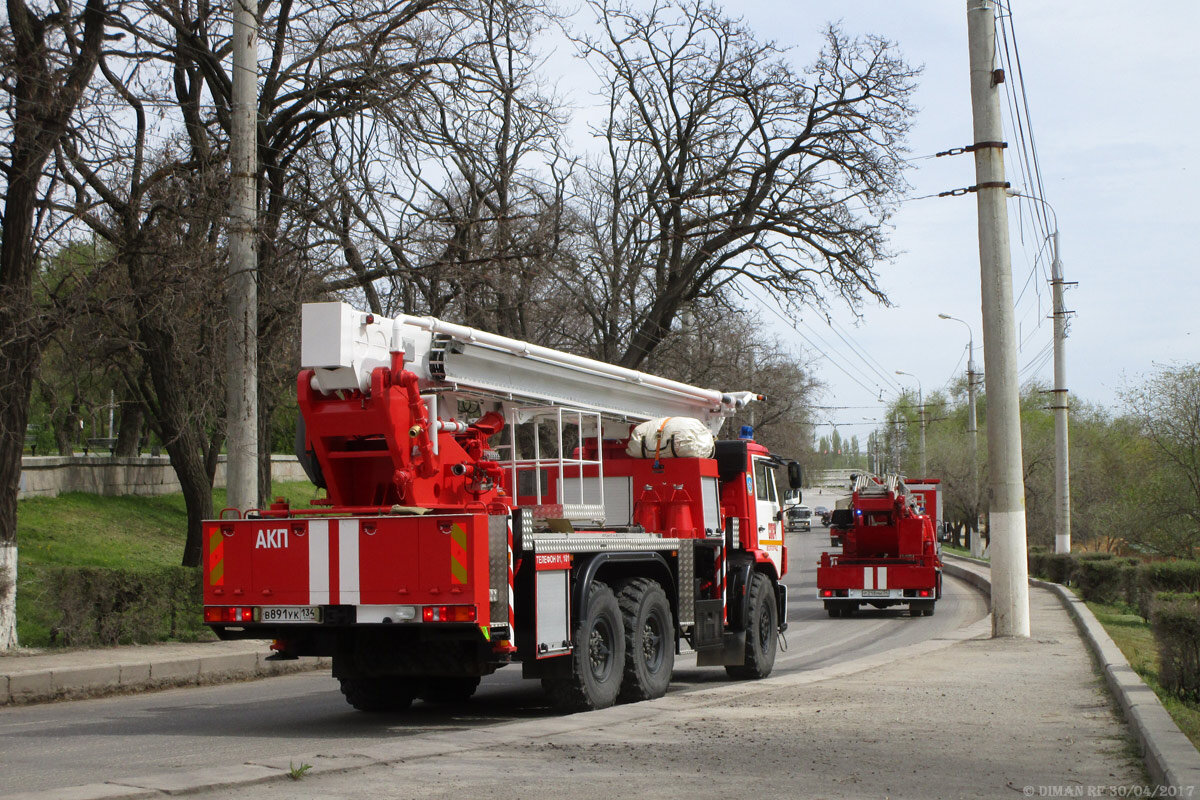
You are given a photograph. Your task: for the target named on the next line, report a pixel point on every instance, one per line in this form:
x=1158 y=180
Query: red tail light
x=827 y=593
x=925 y=593
x=228 y=614
x=448 y=614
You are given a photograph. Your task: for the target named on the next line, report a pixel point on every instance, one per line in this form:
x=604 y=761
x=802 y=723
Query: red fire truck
x=890 y=555
x=484 y=507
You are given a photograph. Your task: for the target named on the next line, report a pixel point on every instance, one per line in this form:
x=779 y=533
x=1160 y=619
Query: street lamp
x=1062 y=471
x=972 y=431
x=921 y=408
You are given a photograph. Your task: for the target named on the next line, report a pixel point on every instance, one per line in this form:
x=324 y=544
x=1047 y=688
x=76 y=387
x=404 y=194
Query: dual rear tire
x=390 y=694
x=624 y=648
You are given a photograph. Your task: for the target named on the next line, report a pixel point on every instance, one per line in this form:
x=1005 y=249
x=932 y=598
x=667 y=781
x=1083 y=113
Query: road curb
x=1170 y=758
x=22 y=687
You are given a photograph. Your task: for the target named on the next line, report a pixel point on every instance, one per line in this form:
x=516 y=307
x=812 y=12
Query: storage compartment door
x=553 y=604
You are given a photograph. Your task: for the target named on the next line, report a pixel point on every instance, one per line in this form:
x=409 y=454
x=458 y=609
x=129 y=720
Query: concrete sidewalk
x=960 y=716
x=32 y=677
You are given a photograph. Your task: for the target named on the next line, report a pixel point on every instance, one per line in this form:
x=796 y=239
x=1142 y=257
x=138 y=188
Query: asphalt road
x=87 y=741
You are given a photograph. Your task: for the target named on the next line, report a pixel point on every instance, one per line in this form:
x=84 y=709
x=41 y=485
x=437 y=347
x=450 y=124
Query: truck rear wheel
x=921 y=608
x=598 y=660
x=452 y=689
x=762 y=632
x=649 y=640
x=378 y=695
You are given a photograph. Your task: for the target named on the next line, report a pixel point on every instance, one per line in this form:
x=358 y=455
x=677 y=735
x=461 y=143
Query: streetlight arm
x=970 y=340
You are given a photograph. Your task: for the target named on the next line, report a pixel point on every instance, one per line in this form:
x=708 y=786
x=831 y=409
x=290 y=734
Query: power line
x=792 y=325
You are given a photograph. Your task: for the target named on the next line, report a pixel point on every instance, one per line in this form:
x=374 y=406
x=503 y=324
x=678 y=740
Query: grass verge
x=1133 y=636
x=957 y=551
x=87 y=530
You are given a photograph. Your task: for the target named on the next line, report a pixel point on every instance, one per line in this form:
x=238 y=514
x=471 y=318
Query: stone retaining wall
x=46 y=476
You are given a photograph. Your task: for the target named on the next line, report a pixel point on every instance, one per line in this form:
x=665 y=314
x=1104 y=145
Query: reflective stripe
x=216 y=558
x=318 y=562
x=512 y=618
x=458 y=554
x=868 y=578
x=881 y=580
x=348 y=585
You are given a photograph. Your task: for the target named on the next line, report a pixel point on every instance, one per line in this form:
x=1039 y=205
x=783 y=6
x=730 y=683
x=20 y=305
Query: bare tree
x=721 y=348
x=724 y=164
x=47 y=57
x=456 y=198
x=155 y=157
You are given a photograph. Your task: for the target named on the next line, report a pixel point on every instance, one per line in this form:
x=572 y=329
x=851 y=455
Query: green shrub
x=1102 y=580
x=1094 y=555
x=1164 y=576
x=1054 y=567
x=1175 y=619
x=92 y=606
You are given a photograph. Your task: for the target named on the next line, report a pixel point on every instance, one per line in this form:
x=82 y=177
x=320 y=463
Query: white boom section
x=343 y=346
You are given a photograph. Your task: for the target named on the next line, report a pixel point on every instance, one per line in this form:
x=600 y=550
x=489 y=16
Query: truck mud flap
x=781 y=597
x=731 y=651
x=739 y=584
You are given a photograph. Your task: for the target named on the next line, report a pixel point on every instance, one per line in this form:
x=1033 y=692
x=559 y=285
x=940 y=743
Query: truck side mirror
x=795 y=476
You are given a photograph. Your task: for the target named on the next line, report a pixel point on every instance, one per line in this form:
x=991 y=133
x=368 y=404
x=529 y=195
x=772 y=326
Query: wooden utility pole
x=242 y=411
x=1006 y=515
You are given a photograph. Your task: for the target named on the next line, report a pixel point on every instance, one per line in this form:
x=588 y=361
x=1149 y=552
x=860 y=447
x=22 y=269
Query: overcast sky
x=1111 y=89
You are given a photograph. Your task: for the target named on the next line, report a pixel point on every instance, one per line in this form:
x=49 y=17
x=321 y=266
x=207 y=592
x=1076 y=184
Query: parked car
x=822 y=513
x=798 y=518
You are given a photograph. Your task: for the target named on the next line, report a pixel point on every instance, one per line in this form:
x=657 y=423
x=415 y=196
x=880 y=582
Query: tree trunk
x=187 y=459
x=19 y=353
x=17 y=359
x=266 y=410
x=8 y=596
x=129 y=429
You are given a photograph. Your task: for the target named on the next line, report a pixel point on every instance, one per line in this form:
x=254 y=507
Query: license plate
x=874 y=592
x=290 y=614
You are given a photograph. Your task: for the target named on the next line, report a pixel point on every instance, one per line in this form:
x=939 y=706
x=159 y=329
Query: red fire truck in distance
x=485 y=508
x=890 y=555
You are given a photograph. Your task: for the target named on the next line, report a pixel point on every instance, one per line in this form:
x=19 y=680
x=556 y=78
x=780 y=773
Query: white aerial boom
x=343 y=346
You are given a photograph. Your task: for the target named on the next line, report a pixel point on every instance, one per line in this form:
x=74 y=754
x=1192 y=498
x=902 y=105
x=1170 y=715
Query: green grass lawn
x=87 y=530
x=1133 y=636
x=134 y=532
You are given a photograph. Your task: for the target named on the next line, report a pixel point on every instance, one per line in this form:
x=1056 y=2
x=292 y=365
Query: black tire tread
x=751 y=669
x=568 y=693
x=630 y=597
x=448 y=689
x=378 y=695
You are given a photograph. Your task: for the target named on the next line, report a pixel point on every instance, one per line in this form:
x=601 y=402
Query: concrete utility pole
x=1062 y=456
x=1061 y=404
x=242 y=411
x=921 y=410
x=976 y=542
x=1006 y=516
